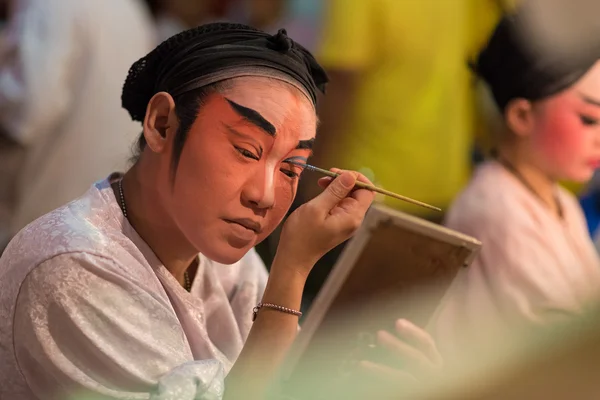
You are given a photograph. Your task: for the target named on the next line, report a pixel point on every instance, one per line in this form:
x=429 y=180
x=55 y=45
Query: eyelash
x=588 y=121
x=290 y=174
x=249 y=154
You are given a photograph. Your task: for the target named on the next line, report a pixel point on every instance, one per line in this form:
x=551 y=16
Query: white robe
x=533 y=269
x=88 y=308
x=62 y=68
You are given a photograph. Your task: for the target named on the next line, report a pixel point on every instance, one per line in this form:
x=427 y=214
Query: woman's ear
x=161 y=122
x=519 y=117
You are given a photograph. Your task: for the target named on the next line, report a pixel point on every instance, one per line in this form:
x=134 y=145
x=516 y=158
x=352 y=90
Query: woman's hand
x=324 y=222
x=310 y=231
x=411 y=353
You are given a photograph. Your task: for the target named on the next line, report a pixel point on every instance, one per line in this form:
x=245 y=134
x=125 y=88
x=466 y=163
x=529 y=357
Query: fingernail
x=347 y=180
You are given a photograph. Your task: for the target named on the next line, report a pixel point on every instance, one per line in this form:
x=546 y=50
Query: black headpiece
x=212 y=52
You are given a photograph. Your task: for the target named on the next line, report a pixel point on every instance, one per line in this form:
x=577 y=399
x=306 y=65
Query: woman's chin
x=223 y=252
x=581 y=177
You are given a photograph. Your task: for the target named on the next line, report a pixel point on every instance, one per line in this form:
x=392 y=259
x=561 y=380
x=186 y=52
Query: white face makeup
x=233 y=186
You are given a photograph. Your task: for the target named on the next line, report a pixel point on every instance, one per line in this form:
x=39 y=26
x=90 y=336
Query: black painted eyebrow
x=306 y=144
x=253 y=117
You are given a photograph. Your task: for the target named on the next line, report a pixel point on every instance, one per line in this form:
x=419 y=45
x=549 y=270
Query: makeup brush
x=363 y=185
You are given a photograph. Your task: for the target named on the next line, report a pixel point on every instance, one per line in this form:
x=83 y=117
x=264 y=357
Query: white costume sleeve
x=41 y=49
x=519 y=275
x=84 y=328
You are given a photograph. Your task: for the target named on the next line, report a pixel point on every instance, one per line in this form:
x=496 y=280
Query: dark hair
x=187 y=108
x=515 y=65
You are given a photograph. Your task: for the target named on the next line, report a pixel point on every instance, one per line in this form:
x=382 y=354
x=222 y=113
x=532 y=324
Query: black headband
x=178 y=64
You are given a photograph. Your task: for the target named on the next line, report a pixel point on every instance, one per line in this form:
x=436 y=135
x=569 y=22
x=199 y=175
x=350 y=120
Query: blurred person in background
x=400 y=106
x=538 y=264
x=399 y=95
x=61 y=71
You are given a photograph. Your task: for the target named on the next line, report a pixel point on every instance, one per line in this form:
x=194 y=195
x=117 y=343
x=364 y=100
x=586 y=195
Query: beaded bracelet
x=274 y=307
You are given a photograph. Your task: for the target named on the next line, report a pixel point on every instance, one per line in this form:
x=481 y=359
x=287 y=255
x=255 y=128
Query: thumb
x=337 y=190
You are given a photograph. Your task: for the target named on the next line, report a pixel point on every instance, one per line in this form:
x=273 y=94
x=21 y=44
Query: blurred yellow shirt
x=413 y=121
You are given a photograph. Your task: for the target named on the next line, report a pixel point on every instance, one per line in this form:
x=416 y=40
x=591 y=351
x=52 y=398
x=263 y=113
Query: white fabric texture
x=88 y=309
x=534 y=268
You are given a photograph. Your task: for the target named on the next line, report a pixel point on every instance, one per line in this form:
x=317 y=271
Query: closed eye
x=290 y=173
x=588 y=121
x=247 y=153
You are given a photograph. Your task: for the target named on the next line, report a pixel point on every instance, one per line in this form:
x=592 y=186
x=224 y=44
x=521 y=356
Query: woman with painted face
x=538 y=263
x=145 y=286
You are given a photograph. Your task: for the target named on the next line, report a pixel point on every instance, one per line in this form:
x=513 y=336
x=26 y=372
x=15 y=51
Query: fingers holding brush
x=326 y=180
x=324 y=222
x=357 y=197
